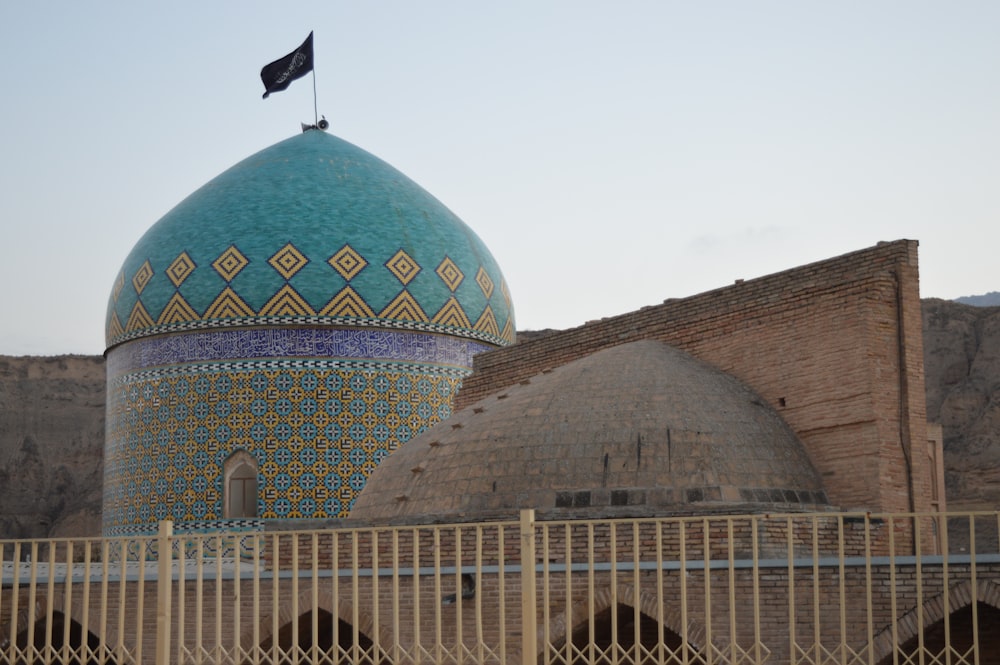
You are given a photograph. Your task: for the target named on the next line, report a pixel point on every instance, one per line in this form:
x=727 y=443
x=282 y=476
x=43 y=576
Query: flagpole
x=315 y=107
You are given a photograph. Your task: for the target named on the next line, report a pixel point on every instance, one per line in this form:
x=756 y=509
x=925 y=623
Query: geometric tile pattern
x=484 y=282
x=288 y=261
x=402 y=267
x=142 y=277
x=329 y=344
x=317 y=433
x=347 y=262
x=227 y=307
x=179 y=270
x=230 y=263
x=450 y=274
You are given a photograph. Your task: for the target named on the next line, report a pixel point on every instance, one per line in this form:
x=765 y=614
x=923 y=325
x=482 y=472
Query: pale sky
x=611 y=154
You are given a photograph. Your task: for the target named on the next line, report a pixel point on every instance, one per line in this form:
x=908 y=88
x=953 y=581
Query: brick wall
x=835 y=346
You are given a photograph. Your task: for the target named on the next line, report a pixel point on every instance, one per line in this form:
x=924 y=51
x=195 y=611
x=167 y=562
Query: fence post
x=164 y=587
x=529 y=616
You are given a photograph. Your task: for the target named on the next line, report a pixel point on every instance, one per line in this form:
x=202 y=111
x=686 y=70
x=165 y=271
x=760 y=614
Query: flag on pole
x=280 y=73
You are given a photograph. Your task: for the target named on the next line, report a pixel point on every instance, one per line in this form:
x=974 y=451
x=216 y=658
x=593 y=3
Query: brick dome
x=637 y=429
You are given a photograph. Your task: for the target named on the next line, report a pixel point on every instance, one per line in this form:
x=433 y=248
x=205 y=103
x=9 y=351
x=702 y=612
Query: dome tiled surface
x=678 y=436
x=305 y=314
x=311 y=230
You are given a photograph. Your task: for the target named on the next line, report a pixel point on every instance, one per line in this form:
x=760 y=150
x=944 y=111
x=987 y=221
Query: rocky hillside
x=52 y=425
x=962 y=370
x=51 y=445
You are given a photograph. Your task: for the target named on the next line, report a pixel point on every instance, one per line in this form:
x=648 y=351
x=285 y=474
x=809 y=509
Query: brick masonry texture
x=834 y=346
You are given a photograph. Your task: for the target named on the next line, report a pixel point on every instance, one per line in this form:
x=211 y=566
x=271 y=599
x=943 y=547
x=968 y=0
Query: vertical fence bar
x=438 y=647
x=591 y=588
x=943 y=540
x=459 y=609
x=706 y=571
x=145 y=545
x=14 y=601
x=546 y=596
x=790 y=553
x=68 y=604
x=613 y=557
x=841 y=584
x=396 y=627
x=529 y=622
x=275 y=604
x=975 y=587
x=295 y=598
x=50 y=589
x=893 y=600
x=502 y=583
x=105 y=552
x=477 y=581
x=182 y=597
x=731 y=551
x=636 y=618
x=660 y=618
x=164 y=548
x=817 y=639
x=755 y=553
x=122 y=576
x=237 y=599
x=314 y=619
x=869 y=616
x=915 y=525
x=355 y=598
x=335 y=590
x=199 y=601
x=219 y=548
x=568 y=546
x=417 y=633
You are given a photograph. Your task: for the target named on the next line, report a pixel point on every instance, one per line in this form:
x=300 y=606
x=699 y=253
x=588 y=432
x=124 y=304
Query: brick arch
x=90 y=638
x=960 y=596
x=76 y=610
x=624 y=594
x=342 y=610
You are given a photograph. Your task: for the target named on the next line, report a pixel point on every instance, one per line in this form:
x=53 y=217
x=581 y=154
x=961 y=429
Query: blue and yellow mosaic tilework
x=311 y=231
x=317 y=433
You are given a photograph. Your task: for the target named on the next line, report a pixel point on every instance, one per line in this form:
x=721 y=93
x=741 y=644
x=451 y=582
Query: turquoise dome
x=311 y=231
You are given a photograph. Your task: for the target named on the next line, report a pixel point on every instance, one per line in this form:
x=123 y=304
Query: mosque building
x=282 y=330
x=313 y=346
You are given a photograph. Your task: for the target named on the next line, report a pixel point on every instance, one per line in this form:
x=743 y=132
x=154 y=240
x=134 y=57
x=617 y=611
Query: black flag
x=277 y=75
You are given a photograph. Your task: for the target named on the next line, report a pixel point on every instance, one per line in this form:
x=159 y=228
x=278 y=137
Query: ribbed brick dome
x=637 y=429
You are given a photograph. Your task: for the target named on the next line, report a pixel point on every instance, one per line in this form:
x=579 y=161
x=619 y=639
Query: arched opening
x=960 y=628
x=651 y=643
x=240 y=474
x=73 y=645
x=334 y=641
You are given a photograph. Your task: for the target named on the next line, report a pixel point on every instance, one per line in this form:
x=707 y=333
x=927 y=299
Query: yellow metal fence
x=711 y=590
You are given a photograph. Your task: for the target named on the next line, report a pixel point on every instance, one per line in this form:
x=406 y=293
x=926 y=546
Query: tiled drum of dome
x=316 y=434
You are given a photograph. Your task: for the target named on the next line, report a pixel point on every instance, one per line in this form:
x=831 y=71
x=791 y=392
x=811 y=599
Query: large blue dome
x=312 y=230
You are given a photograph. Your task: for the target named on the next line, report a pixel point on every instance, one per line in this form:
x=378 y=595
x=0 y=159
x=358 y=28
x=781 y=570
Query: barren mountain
x=962 y=370
x=51 y=445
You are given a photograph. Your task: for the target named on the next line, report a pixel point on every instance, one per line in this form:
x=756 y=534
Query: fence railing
x=710 y=590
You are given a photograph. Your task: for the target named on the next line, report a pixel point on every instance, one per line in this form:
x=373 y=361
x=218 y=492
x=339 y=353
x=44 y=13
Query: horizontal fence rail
x=816 y=589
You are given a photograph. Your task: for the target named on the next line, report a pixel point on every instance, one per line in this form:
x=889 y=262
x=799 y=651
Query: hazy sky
x=611 y=154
